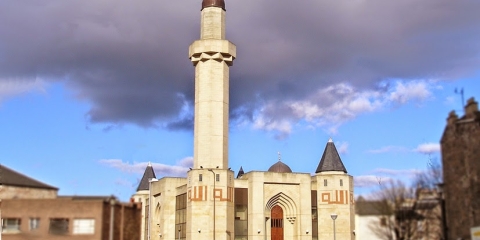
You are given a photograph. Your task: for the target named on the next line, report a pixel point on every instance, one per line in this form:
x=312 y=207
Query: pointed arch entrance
x=277 y=223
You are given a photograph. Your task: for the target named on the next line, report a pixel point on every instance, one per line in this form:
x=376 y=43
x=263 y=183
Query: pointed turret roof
x=147 y=175
x=330 y=160
x=240 y=172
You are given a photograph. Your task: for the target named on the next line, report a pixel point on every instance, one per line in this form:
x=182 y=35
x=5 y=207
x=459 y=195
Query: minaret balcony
x=212 y=49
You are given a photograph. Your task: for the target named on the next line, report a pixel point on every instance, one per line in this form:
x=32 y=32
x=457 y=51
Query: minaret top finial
x=213 y=3
x=149 y=164
x=279 y=156
x=330 y=140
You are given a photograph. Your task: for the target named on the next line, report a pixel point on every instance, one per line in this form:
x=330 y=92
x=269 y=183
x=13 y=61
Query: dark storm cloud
x=128 y=59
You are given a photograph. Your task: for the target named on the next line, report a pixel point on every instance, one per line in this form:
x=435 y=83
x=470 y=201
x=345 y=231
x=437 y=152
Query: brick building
x=32 y=210
x=15 y=185
x=77 y=217
x=461 y=168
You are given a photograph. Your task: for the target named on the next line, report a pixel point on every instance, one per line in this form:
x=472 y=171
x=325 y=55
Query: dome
x=280 y=167
x=213 y=3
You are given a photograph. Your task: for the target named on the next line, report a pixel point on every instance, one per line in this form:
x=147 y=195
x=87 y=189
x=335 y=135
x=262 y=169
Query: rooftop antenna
x=460 y=92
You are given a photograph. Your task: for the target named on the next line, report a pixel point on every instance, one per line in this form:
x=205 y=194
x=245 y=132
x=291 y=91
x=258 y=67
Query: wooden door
x=277 y=223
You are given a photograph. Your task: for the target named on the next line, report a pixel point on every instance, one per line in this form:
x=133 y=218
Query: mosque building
x=211 y=203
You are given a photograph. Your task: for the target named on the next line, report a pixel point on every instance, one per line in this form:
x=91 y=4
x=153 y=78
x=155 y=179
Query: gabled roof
x=330 y=160
x=10 y=177
x=147 y=175
x=240 y=172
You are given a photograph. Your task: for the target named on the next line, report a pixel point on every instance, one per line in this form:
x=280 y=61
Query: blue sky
x=90 y=93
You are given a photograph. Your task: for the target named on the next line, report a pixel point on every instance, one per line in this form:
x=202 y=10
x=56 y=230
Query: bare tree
x=431 y=178
x=395 y=205
x=409 y=212
x=428 y=202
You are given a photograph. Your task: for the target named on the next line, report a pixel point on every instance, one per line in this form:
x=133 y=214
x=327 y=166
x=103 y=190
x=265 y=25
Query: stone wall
x=461 y=167
x=14 y=192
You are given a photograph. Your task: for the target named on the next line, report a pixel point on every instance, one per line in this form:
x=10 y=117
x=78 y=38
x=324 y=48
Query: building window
x=314 y=215
x=200 y=177
x=325 y=182
x=217 y=177
x=241 y=214
x=83 y=226
x=58 y=226
x=341 y=182
x=420 y=226
x=34 y=223
x=181 y=216
x=11 y=224
x=383 y=221
x=276 y=223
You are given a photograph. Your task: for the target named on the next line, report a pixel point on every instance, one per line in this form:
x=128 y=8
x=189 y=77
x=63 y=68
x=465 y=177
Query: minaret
x=212 y=56
x=210 y=182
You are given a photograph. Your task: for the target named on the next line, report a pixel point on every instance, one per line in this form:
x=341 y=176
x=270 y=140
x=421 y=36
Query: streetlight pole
x=112 y=216
x=214 y=180
x=150 y=204
x=334 y=217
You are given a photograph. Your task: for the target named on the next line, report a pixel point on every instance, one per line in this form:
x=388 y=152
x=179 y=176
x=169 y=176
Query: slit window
x=341 y=182
x=34 y=223
x=200 y=177
x=325 y=182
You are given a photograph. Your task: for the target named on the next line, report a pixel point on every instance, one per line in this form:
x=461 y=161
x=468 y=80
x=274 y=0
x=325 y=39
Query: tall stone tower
x=210 y=183
x=461 y=171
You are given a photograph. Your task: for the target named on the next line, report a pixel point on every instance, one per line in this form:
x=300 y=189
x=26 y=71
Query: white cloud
x=186 y=162
x=12 y=87
x=342 y=147
x=396 y=172
x=367 y=181
x=428 y=148
x=425 y=148
x=414 y=90
x=269 y=125
x=332 y=106
x=388 y=149
x=383 y=175
x=180 y=169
